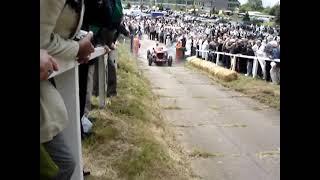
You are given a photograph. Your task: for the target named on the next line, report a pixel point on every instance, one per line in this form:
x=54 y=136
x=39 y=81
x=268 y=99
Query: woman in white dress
x=188 y=46
x=200 y=46
x=205 y=47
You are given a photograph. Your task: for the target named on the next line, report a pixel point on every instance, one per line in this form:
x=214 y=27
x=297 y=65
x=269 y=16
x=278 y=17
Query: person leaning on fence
x=105 y=21
x=249 y=52
x=48 y=169
x=60 y=20
x=132 y=31
x=112 y=63
x=275 y=67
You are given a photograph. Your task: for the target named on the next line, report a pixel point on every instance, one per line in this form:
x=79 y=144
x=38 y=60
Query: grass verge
x=264 y=92
x=131 y=139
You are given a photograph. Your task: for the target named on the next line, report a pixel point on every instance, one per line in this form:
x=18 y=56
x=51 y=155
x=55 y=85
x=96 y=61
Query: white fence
x=233 y=59
x=67 y=82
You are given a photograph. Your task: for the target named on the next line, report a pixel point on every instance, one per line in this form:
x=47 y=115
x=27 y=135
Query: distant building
x=205 y=4
x=219 y=4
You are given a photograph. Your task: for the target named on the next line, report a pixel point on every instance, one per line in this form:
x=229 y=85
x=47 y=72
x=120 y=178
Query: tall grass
x=131 y=139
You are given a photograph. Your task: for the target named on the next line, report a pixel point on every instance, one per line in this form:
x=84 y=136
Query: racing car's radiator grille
x=160 y=55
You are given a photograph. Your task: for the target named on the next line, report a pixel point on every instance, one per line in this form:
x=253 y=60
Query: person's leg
x=249 y=67
x=234 y=64
x=263 y=68
x=197 y=52
x=225 y=61
x=61 y=155
x=244 y=64
x=275 y=73
x=83 y=77
x=214 y=58
x=112 y=75
x=95 y=89
x=87 y=107
x=278 y=71
x=268 y=67
x=131 y=43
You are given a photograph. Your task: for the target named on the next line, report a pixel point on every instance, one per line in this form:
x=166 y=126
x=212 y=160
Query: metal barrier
x=67 y=83
x=234 y=56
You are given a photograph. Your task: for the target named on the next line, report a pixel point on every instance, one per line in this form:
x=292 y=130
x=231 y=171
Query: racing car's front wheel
x=170 y=61
x=150 y=61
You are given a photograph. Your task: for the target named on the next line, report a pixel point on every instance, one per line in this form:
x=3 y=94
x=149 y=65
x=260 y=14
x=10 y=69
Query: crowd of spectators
x=229 y=37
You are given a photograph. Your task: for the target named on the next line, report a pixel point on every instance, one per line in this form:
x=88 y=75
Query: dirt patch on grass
x=130 y=138
x=172 y=107
x=269 y=154
x=165 y=96
x=199 y=97
x=233 y=125
x=203 y=154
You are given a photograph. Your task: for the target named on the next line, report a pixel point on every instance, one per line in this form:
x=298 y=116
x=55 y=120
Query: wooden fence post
x=102 y=82
x=255 y=67
x=218 y=59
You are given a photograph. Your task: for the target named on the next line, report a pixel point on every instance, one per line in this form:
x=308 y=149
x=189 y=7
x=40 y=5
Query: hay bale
x=217 y=71
x=191 y=58
x=226 y=74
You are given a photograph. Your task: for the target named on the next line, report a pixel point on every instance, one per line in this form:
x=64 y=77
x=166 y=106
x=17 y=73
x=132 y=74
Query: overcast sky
x=265 y=2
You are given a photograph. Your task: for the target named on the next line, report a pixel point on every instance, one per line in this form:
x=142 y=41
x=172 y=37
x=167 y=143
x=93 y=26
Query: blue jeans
x=61 y=155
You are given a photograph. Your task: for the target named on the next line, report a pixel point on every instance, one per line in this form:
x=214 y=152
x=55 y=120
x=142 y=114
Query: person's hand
x=85 y=49
x=107 y=49
x=47 y=65
x=112 y=46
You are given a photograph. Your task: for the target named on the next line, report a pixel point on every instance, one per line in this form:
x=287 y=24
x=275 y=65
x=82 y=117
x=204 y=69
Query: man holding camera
x=104 y=18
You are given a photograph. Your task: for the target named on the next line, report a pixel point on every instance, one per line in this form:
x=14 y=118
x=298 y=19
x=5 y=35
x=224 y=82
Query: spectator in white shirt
x=256 y=47
x=261 y=53
x=205 y=47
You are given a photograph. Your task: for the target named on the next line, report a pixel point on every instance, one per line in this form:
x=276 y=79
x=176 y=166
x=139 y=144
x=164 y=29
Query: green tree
x=267 y=10
x=246 y=17
x=255 y=5
x=277 y=14
x=274 y=9
x=160 y=6
x=245 y=8
x=251 y=5
x=128 y=5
